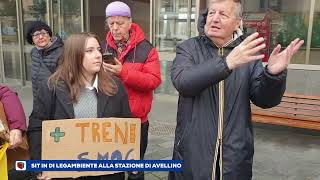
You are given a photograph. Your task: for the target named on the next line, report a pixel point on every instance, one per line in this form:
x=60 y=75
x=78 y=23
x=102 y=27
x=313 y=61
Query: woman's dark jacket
x=196 y=72
x=57 y=104
x=44 y=63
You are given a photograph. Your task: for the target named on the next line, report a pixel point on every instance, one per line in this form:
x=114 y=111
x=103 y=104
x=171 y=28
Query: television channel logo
x=21 y=165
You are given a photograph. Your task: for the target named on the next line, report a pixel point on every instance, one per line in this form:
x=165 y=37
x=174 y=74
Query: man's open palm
x=279 y=61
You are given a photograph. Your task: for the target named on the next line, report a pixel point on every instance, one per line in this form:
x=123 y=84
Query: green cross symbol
x=57 y=134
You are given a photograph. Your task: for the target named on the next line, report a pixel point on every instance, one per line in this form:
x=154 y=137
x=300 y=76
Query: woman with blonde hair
x=78 y=89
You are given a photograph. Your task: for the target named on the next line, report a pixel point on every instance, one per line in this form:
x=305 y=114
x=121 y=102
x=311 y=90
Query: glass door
x=174 y=22
x=315 y=35
x=33 y=10
x=9 y=53
x=67 y=17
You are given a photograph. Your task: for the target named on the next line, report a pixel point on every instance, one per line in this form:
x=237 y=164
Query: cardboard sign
x=90 y=139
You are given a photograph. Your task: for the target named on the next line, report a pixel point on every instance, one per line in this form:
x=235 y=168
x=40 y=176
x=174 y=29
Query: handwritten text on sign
x=90 y=139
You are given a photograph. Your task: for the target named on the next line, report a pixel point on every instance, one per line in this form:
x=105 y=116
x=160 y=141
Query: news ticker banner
x=99 y=165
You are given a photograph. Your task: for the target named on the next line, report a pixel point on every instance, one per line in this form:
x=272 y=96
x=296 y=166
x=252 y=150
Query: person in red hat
x=136 y=64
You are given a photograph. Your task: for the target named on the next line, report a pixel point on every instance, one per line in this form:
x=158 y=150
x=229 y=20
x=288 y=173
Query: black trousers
x=143 y=148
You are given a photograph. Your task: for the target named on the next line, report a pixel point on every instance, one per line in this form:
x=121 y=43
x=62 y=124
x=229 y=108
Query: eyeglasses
x=40 y=33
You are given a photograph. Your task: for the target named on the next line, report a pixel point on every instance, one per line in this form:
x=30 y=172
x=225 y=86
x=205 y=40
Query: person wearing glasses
x=45 y=54
x=217 y=74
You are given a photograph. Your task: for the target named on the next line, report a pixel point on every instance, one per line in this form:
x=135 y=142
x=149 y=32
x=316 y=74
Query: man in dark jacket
x=216 y=75
x=136 y=64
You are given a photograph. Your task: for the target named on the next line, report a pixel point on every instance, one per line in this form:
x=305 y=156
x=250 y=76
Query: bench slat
x=301 y=96
x=292 y=111
x=286 y=122
x=285 y=115
x=301 y=101
x=295 y=106
x=299 y=106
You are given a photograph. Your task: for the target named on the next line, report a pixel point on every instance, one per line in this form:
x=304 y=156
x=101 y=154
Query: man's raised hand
x=279 y=61
x=246 y=52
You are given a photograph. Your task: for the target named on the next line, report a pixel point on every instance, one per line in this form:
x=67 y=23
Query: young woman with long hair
x=79 y=88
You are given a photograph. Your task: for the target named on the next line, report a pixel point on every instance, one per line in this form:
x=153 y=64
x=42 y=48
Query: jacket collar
x=95 y=84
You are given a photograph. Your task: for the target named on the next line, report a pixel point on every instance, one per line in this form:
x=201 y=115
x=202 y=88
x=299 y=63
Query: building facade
x=166 y=23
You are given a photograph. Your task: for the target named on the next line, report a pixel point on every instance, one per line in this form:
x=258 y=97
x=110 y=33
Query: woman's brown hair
x=70 y=69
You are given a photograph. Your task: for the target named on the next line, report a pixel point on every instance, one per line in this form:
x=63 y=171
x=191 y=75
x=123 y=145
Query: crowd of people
x=216 y=73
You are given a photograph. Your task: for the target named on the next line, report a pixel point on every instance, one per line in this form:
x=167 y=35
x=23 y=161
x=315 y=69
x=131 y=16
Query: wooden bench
x=294 y=110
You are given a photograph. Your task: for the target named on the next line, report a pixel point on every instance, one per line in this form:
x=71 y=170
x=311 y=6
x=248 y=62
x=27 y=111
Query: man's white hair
x=238 y=6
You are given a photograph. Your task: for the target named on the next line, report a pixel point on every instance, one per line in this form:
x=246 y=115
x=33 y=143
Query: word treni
x=107 y=132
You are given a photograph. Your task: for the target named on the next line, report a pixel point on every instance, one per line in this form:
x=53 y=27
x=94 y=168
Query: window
x=67 y=17
x=32 y=11
x=9 y=53
x=174 y=23
x=288 y=20
x=315 y=38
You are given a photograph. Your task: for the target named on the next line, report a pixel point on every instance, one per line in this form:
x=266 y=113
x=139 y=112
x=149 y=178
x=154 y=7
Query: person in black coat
x=45 y=54
x=217 y=74
x=78 y=89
